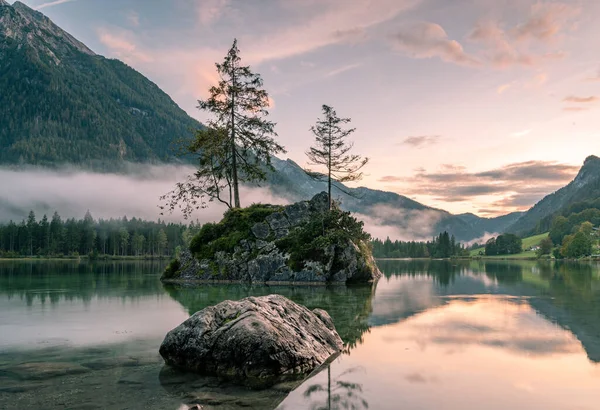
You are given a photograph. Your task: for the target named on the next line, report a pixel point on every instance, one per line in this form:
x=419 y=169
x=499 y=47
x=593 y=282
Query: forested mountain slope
x=62 y=103
x=585 y=187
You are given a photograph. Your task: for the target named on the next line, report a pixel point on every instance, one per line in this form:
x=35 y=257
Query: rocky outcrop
x=257 y=341
x=266 y=256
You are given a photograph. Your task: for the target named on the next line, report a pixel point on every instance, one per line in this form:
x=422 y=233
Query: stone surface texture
x=260 y=261
x=257 y=341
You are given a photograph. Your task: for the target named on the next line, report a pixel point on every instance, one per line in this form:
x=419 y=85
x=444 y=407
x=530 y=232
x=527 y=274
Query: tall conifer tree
x=332 y=151
x=237 y=144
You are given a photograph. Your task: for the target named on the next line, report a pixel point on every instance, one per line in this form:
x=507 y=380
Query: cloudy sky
x=477 y=106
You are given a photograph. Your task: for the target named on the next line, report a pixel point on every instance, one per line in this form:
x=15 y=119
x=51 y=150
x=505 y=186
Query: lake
x=430 y=335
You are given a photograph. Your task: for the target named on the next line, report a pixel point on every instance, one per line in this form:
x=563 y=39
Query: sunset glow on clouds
x=471 y=106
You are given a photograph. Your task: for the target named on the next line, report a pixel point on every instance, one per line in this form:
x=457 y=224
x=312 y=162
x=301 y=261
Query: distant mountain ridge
x=585 y=186
x=388 y=208
x=62 y=103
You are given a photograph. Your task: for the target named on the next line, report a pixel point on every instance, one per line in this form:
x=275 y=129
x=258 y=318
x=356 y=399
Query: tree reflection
x=56 y=281
x=348 y=306
x=341 y=394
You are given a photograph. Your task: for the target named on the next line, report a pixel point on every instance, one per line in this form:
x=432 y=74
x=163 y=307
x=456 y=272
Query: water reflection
x=53 y=281
x=348 y=306
x=567 y=294
x=511 y=335
x=337 y=393
x=71 y=303
x=431 y=334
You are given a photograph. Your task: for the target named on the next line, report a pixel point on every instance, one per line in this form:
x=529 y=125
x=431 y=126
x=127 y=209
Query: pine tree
x=332 y=152
x=123 y=240
x=161 y=241
x=237 y=144
x=31 y=231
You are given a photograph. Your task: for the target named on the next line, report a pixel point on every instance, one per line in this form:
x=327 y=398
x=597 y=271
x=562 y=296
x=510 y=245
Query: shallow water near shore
x=429 y=335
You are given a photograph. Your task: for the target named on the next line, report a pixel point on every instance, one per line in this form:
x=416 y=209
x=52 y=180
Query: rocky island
x=304 y=242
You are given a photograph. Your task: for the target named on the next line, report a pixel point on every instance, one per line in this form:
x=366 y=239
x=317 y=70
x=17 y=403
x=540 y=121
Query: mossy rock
x=304 y=242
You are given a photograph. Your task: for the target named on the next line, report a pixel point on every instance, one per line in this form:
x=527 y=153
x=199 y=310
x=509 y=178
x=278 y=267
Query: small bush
x=310 y=242
x=172 y=269
x=225 y=235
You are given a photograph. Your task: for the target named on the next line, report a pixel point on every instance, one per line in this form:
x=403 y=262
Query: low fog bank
x=483 y=239
x=71 y=192
x=384 y=221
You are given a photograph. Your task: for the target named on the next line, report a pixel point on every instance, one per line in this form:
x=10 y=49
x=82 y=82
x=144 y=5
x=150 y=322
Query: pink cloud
x=337 y=21
x=575 y=109
x=123 y=46
x=575 y=99
x=503 y=51
x=428 y=40
x=547 y=20
x=210 y=11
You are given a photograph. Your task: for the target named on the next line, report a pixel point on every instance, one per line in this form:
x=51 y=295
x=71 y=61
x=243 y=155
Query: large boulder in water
x=257 y=341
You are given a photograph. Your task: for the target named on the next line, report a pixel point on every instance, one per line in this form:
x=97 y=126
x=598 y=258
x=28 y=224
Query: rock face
x=261 y=259
x=257 y=341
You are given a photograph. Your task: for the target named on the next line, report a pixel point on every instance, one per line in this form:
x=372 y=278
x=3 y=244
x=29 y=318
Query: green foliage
x=86 y=110
x=565 y=225
x=507 y=244
x=579 y=244
x=442 y=246
x=545 y=247
x=89 y=237
x=311 y=241
x=225 y=236
x=171 y=269
x=331 y=152
x=238 y=144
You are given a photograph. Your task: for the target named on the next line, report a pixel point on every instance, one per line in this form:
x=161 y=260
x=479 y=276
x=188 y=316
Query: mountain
x=585 y=186
x=490 y=225
x=62 y=103
x=405 y=217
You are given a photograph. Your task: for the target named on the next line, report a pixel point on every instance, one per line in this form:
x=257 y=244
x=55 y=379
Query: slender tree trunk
x=236 y=191
x=329 y=168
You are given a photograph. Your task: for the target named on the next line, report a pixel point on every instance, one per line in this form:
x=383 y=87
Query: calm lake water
x=429 y=335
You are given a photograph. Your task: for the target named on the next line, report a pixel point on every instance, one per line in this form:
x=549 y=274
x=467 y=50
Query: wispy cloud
x=517 y=186
x=429 y=40
x=343 y=69
x=52 y=3
x=133 y=18
x=575 y=99
x=537 y=81
x=504 y=51
x=209 y=11
x=529 y=44
x=504 y=87
x=576 y=109
x=419 y=141
x=594 y=78
x=336 y=22
x=520 y=134
x=122 y=45
x=547 y=20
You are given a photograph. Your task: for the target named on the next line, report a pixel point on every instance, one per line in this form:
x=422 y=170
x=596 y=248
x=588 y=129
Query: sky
x=480 y=106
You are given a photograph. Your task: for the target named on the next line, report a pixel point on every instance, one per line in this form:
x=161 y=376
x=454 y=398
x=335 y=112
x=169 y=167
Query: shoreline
x=85 y=258
x=237 y=282
x=492 y=258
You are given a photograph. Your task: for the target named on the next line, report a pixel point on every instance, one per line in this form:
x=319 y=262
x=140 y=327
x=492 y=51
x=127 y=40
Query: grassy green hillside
x=527 y=243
